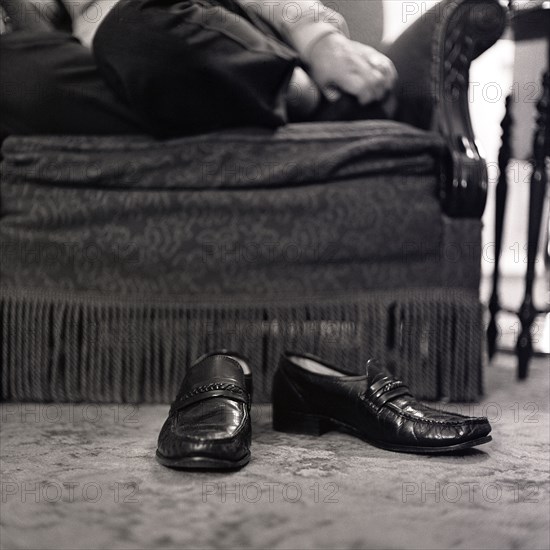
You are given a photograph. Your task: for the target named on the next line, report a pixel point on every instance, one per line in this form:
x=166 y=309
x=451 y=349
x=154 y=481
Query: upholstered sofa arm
x=433 y=59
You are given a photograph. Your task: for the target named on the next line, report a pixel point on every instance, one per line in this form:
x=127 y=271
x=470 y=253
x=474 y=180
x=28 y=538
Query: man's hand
x=337 y=63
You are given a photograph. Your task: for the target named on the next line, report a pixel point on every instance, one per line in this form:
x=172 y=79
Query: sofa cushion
x=249 y=158
x=310 y=204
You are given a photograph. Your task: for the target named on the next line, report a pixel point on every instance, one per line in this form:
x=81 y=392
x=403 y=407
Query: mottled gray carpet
x=85 y=477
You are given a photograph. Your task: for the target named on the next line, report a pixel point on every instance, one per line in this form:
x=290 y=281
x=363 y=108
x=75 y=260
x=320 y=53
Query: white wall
x=398 y=14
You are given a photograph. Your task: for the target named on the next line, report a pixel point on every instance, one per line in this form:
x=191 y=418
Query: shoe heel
x=299 y=423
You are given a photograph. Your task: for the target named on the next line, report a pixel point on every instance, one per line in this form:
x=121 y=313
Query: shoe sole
x=318 y=425
x=201 y=462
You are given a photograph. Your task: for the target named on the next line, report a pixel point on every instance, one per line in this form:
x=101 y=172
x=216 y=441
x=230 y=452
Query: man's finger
x=375 y=88
x=387 y=68
x=380 y=62
x=355 y=83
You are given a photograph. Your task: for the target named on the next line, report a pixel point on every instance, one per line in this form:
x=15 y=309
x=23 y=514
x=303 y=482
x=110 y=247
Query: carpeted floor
x=85 y=477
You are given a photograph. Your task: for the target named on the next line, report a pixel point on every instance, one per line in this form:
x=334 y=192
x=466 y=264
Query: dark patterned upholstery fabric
x=308 y=208
x=123 y=258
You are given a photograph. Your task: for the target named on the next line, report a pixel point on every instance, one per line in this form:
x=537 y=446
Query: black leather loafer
x=209 y=426
x=313 y=397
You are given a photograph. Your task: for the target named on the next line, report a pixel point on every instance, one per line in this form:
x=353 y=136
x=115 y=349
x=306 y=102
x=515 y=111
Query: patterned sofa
x=123 y=258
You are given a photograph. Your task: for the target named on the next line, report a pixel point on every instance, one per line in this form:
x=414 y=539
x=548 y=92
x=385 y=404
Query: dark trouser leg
x=188 y=67
x=49 y=84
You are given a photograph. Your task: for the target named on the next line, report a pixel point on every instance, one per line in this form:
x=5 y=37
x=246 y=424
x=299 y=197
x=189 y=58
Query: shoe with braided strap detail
x=208 y=426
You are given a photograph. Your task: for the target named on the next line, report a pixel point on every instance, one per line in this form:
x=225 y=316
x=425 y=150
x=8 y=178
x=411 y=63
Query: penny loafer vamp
x=376 y=407
x=178 y=439
x=209 y=422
